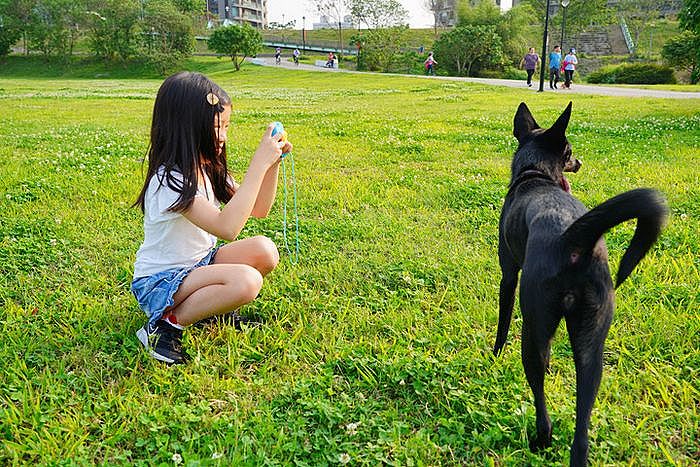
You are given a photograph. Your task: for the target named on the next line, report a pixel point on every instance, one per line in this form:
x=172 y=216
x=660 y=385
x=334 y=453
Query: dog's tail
x=646 y=205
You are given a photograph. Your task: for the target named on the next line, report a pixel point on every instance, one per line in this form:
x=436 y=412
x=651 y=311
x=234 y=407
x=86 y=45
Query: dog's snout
x=572 y=165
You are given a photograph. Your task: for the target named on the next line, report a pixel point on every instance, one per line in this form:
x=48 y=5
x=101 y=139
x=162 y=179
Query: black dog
x=558 y=245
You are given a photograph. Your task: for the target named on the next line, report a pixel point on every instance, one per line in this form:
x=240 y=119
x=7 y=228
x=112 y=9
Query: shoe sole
x=143 y=338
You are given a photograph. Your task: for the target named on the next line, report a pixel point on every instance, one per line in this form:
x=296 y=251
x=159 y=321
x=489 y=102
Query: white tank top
x=170 y=240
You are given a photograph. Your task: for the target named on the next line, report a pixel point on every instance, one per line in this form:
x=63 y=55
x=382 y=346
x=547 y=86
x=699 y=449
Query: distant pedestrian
x=278 y=55
x=530 y=60
x=331 y=60
x=430 y=63
x=569 y=65
x=554 y=67
x=296 y=54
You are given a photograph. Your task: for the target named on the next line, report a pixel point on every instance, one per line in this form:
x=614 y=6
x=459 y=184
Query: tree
x=477 y=12
x=690 y=16
x=18 y=15
x=690 y=39
x=511 y=26
x=194 y=7
x=113 y=28
x=681 y=52
x=236 y=41
x=336 y=11
x=381 y=49
x=580 y=15
x=168 y=35
x=10 y=30
x=378 y=13
x=53 y=26
x=465 y=48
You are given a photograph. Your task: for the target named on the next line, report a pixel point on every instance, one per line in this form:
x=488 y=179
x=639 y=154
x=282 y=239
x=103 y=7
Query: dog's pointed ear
x=523 y=122
x=557 y=133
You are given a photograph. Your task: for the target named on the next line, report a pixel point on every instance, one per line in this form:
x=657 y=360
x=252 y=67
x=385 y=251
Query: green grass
x=377 y=345
x=660 y=87
x=653 y=37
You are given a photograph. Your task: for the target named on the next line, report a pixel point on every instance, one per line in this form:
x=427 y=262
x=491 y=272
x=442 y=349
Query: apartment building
x=253 y=12
x=446 y=10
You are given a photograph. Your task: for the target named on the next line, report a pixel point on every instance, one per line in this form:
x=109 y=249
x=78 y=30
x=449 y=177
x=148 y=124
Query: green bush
x=508 y=72
x=516 y=73
x=683 y=52
x=633 y=73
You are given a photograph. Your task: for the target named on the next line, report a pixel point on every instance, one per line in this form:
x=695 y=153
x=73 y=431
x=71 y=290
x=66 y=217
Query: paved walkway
x=576 y=89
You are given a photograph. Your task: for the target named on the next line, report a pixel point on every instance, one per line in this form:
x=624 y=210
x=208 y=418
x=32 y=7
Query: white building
x=328 y=23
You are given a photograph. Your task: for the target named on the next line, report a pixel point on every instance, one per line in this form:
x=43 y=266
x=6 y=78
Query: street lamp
x=340 y=33
x=544 y=47
x=564 y=4
x=303 y=34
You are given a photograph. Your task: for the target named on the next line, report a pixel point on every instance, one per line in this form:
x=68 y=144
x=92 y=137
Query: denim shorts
x=155 y=293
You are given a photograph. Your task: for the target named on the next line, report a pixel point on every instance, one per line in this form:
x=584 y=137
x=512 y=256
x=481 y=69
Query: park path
x=576 y=89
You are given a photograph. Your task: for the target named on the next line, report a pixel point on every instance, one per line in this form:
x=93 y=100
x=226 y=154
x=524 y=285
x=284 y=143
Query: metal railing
x=313 y=46
x=626 y=34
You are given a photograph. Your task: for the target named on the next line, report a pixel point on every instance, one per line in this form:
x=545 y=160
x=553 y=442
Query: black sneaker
x=230 y=319
x=163 y=341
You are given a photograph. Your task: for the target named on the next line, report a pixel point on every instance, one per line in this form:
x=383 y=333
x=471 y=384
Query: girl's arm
x=228 y=222
x=266 y=195
x=268 y=189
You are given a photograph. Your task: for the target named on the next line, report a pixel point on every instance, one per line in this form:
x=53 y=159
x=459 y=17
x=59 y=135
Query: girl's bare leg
x=213 y=290
x=258 y=252
x=232 y=280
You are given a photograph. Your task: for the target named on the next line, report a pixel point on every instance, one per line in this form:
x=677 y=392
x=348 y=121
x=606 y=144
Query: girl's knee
x=268 y=257
x=249 y=283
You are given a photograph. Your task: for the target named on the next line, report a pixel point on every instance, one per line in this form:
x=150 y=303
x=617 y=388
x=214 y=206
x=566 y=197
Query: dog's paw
x=498 y=348
x=541 y=442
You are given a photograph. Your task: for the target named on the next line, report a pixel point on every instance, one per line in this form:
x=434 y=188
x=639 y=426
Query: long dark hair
x=183 y=139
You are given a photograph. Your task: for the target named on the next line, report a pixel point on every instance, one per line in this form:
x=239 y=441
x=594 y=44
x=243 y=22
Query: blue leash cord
x=293 y=258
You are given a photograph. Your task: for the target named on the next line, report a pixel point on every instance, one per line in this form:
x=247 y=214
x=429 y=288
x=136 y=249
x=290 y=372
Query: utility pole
x=544 y=48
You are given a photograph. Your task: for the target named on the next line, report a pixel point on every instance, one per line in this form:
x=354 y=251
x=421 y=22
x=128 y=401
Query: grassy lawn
x=661 y=87
x=377 y=344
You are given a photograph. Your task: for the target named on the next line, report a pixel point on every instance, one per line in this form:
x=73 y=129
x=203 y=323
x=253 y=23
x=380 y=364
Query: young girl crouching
x=180 y=276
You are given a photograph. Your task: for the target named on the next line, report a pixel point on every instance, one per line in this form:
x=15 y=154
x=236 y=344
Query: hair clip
x=212 y=98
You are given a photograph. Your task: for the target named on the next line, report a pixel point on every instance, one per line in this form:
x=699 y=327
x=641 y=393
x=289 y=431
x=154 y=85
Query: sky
x=295 y=9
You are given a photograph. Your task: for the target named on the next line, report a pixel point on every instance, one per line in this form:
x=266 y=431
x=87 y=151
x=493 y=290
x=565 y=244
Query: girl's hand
x=269 y=151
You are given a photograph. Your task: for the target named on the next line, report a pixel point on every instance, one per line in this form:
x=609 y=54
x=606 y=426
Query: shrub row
x=633 y=73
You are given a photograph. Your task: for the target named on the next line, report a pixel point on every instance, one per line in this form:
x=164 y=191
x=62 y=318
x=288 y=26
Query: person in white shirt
x=569 y=64
x=180 y=276
x=429 y=64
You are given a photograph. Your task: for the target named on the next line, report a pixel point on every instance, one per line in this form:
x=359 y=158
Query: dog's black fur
x=558 y=245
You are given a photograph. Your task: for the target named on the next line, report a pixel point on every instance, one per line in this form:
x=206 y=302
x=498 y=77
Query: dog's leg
x=506 y=299
x=536 y=345
x=587 y=333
